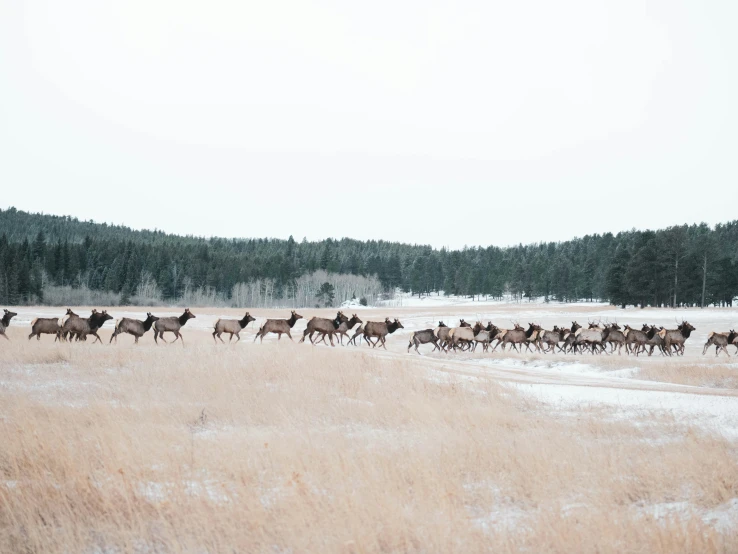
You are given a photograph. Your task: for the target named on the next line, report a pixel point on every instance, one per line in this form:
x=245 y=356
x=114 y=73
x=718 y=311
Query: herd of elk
x=575 y=339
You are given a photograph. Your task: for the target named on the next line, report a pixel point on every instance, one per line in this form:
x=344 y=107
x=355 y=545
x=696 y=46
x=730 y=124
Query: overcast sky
x=441 y=122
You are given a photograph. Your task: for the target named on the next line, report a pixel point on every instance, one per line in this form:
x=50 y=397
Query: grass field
x=288 y=448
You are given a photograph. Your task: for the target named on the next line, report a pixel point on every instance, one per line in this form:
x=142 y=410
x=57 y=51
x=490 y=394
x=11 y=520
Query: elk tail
x=117 y=323
x=35 y=319
x=710 y=335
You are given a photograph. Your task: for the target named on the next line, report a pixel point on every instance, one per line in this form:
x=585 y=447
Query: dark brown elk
x=343 y=328
x=676 y=337
x=278 y=326
x=379 y=331
x=66 y=324
x=48 y=326
x=232 y=327
x=171 y=325
x=80 y=327
x=426 y=336
x=635 y=340
x=570 y=338
x=323 y=326
x=133 y=327
x=5 y=322
x=615 y=338
x=720 y=340
x=654 y=339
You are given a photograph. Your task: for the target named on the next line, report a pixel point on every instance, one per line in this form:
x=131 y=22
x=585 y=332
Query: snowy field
x=359 y=449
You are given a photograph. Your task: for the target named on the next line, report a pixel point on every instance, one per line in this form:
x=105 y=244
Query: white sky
x=441 y=122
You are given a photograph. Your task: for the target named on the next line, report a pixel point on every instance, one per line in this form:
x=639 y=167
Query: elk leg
x=238 y=337
x=5 y=336
x=290 y=336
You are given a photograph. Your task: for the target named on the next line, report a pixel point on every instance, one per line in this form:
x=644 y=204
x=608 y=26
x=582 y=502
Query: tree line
x=42 y=256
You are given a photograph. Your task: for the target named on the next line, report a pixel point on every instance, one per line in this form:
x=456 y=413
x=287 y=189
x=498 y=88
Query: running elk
x=721 y=342
x=81 y=327
x=48 y=326
x=232 y=327
x=133 y=327
x=278 y=326
x=425 y=336
x=171 y=325
x=343 y=328
x=323 y=326
x=5 y=322
x=381 y=330
x=676 y=337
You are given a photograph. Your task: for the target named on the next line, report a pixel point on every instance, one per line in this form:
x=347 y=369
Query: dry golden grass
x=285 y=448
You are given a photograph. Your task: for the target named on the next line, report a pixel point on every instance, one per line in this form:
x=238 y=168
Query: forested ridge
x=42 y=256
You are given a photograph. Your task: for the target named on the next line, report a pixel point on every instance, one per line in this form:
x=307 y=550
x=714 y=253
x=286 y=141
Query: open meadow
x=282 y=447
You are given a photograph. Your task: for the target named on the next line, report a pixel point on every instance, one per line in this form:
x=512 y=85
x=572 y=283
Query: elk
x=343 y=328
x=533 y=338
x=65 y=324
x=485 y=337
x=323 y=326
x=381 y=330
x=721 y=342
x=5 y=322
x=463 y=334
x=676 y=337
x=81 y=327
x=422 y=337
x=517 y=336
x=570 y=338
x=48 y=326
x=231 y=326
x=441 y=333
x=615 y=338
x=593 y=337
x=278 y=326
x=133 y=327
x=171 y=325
x=359 y=331
x=551 y=338
x=635 y=337
x=654 y=339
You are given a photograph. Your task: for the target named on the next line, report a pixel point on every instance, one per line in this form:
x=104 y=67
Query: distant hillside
x=45 y=258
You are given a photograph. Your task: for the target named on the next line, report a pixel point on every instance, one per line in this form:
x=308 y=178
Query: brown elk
x=654 y=339
x=48 y=326
x=485 y=337
x=676 y=337
x=425 y=336
x=615 y=338
x=721 y=341
x=441 y=333
x=66 y=322
x=278 y=326
x=570 y=338
x=518 y=336
x=133 y=327
x=379 y=331
x=5 y=322
x=81 y=327
x=232 y=327
x=635 y=339
x=171 y=325
x=551 y=338
x=501 y=333
x=323 y=326
x=343 y=328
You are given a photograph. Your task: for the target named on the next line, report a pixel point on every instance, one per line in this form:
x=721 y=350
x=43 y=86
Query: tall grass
x=283 y=448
